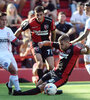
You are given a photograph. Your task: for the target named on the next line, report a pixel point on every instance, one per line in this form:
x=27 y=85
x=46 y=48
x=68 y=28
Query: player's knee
x=40 y=65
x=51 y=67
x=12 y=69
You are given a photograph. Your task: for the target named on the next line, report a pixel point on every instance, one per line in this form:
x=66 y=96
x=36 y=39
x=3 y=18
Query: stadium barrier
x=78 y=74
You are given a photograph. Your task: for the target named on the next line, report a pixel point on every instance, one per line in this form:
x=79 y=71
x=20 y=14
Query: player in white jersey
x=86 y=34
x=7 y=60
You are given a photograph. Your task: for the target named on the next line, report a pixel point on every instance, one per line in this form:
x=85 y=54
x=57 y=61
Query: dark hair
x=60 y=13
x=39 y=9
x=80 y=4
x=63 y=37
x=87 y=4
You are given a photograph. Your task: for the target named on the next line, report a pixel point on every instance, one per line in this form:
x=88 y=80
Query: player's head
x=2 y=19
x=39 y=13
x=87 y=8
x=64 y=42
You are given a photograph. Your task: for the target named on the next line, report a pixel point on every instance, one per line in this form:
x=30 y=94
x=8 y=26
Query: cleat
x=59 y=92
x=16 y=92
x=9 y=89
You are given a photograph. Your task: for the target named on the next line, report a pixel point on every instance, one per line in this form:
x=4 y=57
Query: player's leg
x=36 y=51
x=41 y=84
x=37 y=90
x=48 y=55
x=50 y=61
x=34 y=91
x=87 y=59
x=87 y=62
x=10 y=65
x=13 y=77
x=40 y=87
x=35 y=77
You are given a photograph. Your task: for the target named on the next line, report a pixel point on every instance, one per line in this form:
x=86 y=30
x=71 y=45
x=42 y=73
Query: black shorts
x=45 y=51
x=51 y=77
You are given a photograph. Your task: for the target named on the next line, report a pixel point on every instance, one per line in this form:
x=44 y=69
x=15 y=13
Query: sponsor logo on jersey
x=46 y=27
x=4 y=40
x=41 y=32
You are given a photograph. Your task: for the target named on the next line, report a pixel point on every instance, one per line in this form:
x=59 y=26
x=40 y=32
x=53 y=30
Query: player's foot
x=35 y=79
x=16 y=92
x=9 y=89
x=59 y=92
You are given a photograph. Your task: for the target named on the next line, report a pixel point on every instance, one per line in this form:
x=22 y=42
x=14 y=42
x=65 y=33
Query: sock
x=40 y=73
x=88 y=68
x=14 y=79
x=10 y=83
x=31 y=92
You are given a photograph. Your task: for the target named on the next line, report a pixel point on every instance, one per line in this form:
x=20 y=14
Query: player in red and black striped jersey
x=41 y=28
x=68 y=56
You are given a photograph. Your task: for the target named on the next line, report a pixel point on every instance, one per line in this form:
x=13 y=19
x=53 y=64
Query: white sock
x=88 y=68
x=14 y=79
x=10 y=83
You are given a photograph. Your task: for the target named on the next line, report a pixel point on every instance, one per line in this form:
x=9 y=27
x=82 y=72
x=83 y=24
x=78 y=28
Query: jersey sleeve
x=25 y=25
x=12 y=36
x=55 y=45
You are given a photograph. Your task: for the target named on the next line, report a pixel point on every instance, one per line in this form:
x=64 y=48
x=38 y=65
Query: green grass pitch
x=71 y=91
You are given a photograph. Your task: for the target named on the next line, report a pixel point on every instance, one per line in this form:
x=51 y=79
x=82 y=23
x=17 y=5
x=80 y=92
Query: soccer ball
x=50 y=89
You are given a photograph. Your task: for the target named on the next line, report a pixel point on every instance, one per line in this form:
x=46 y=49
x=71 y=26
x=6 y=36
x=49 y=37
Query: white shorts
x=6 y=59
x=87 y=56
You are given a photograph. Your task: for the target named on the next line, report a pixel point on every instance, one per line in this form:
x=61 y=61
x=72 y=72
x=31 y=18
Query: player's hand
x=88 y=49
x=40 y=44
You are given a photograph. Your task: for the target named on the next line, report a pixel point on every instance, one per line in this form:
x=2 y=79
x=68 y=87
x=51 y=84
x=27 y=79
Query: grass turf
x=71 y=91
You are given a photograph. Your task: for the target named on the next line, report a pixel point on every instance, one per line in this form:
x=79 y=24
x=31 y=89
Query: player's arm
x=81 y=37
x=18 y=42
x=85 y=50
x=24 y=26
x=45 y=43
x=18 y=32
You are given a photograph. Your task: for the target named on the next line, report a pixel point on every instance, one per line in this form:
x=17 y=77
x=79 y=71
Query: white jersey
x=87 y=57
x=6 y=56
x=6 y=37
x=87 y=27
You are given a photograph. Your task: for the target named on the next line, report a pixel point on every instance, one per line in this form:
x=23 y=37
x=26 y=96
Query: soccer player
x=86 y=34
x=68 y=57
x=7 y=60
x=40 y=27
